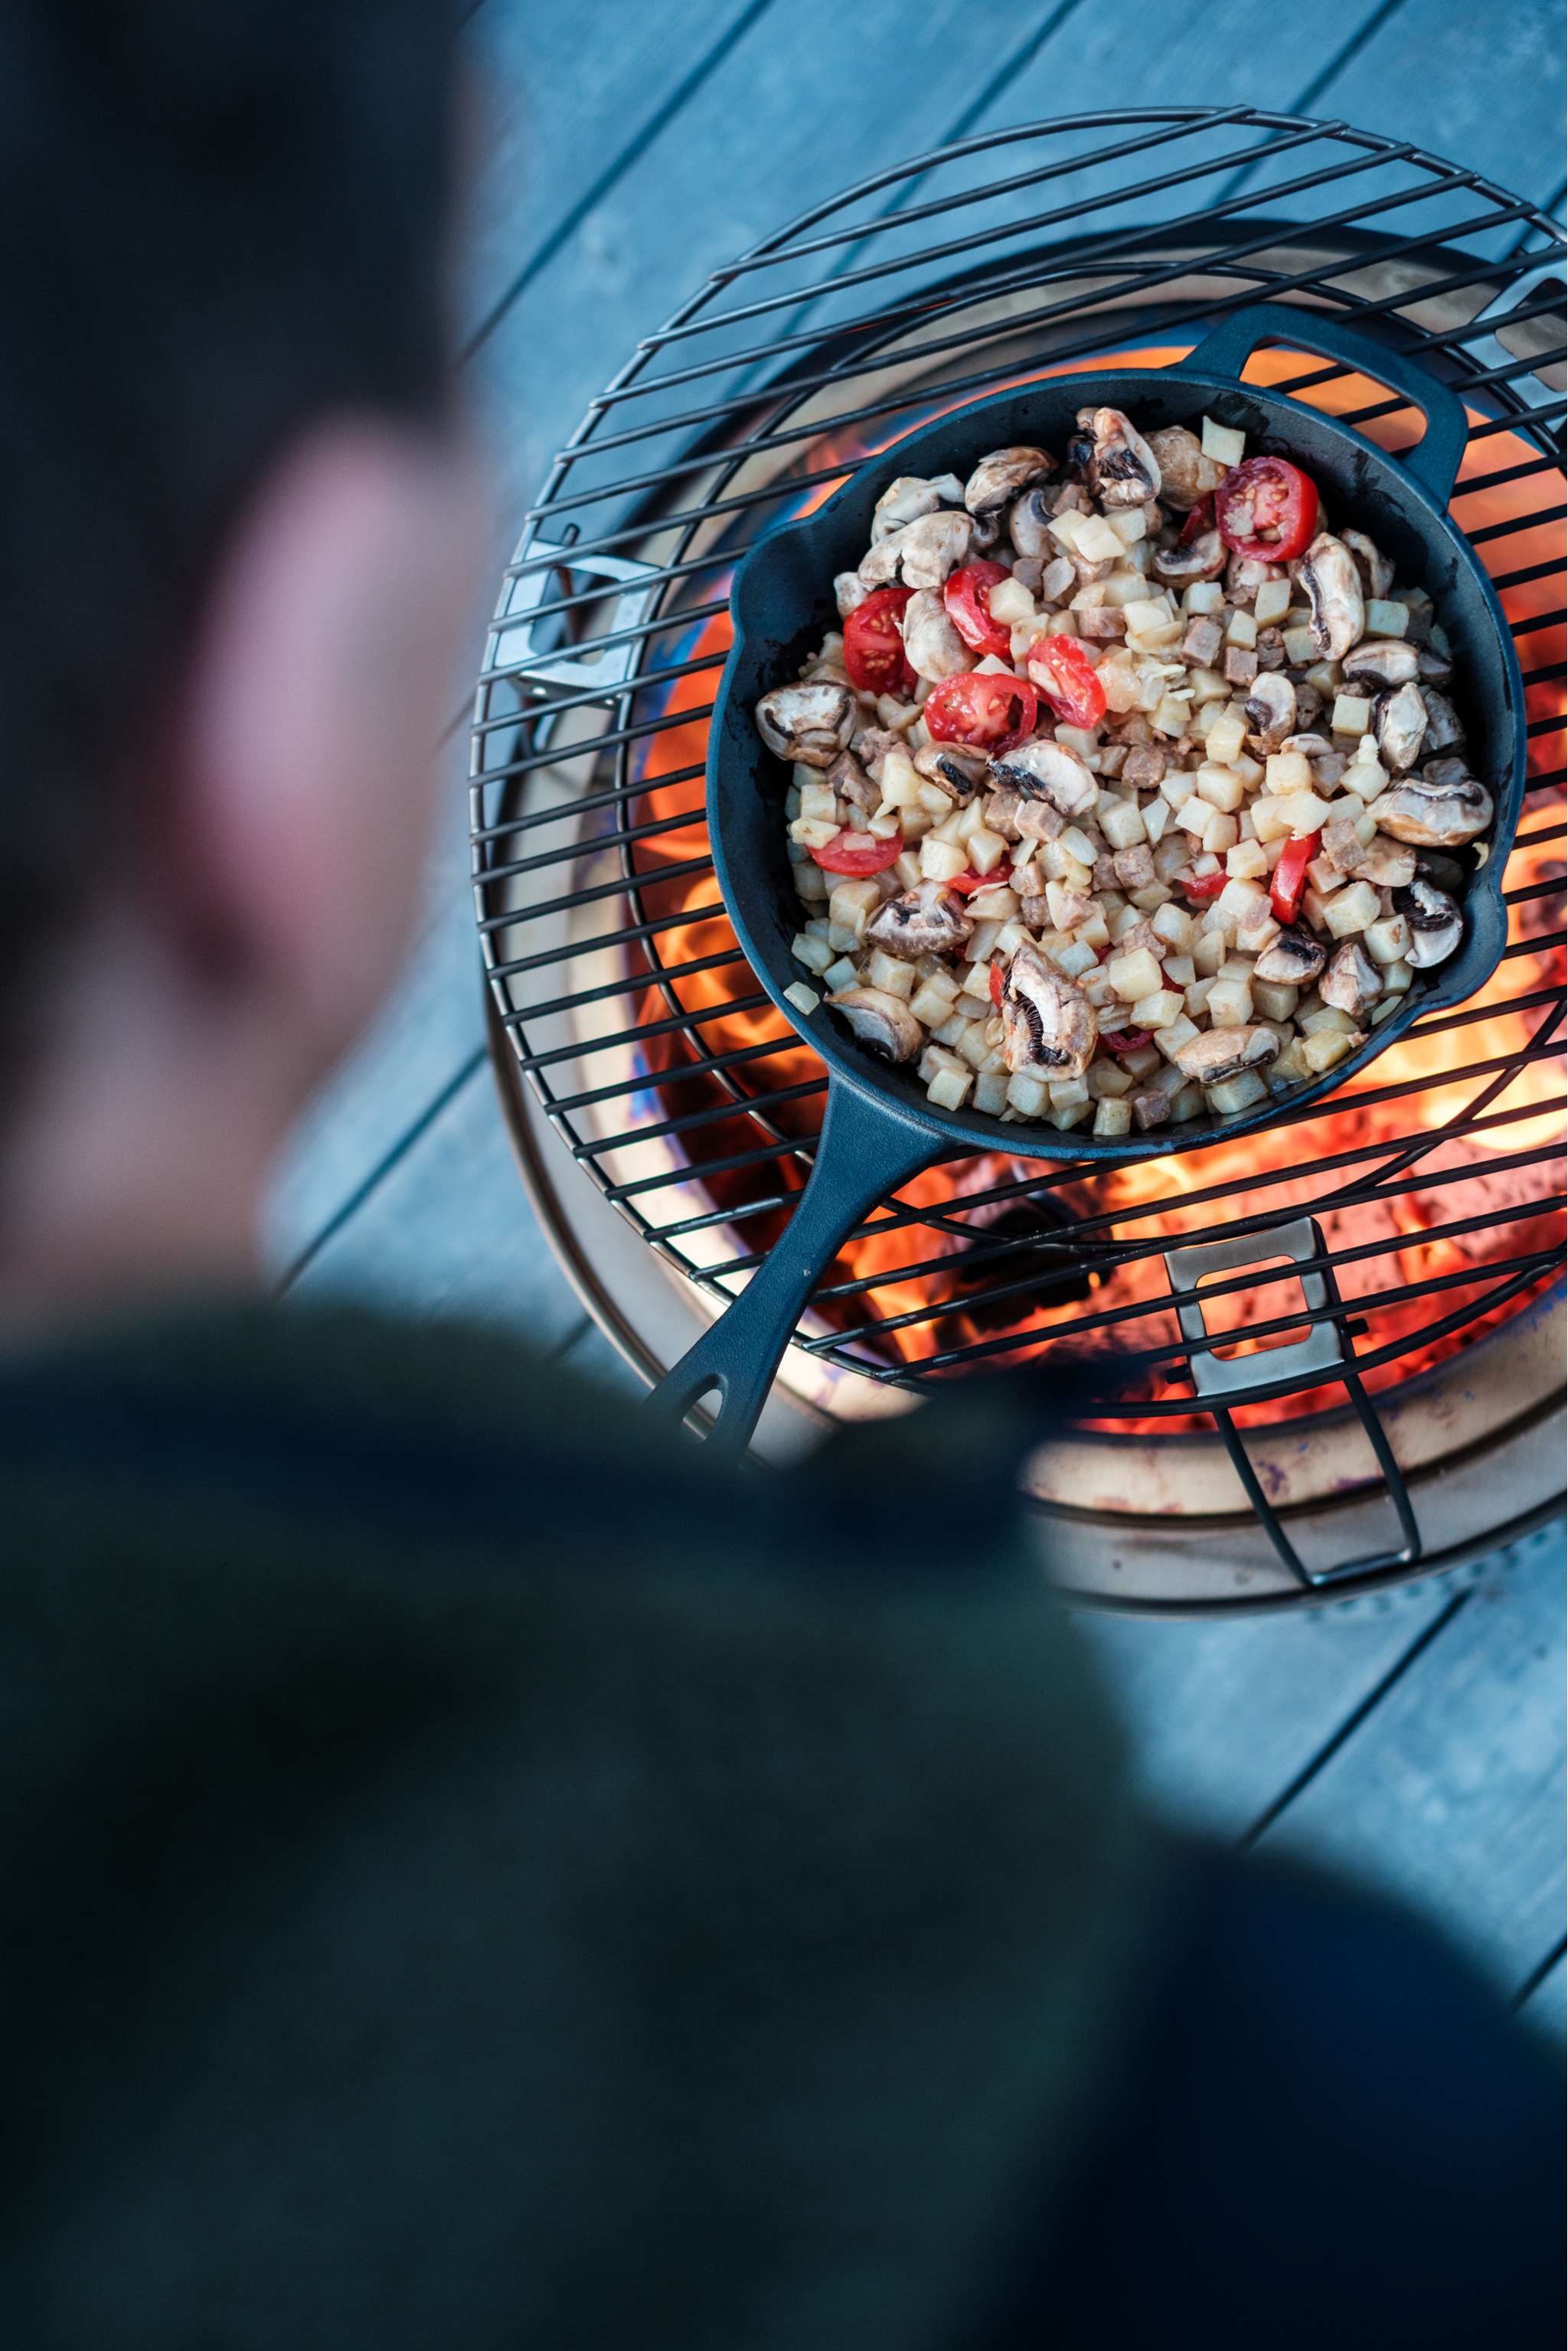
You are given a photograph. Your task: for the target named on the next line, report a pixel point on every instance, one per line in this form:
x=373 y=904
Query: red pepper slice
x=967 y=596
x=1202 y=886
x=1289 y=884
x=1126 y=1040
x=1064 y=674
x=873 y=649
x=996 y=986
x=1267 y=508
x=976 y=707
x=857 y=854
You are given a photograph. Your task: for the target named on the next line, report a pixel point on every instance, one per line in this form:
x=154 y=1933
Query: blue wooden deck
x=1418 y=1742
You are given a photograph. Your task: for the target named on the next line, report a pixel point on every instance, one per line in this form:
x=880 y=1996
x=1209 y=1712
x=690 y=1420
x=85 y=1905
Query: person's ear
x=320 y=681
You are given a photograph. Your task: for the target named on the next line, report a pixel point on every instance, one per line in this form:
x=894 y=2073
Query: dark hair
x=220 y=220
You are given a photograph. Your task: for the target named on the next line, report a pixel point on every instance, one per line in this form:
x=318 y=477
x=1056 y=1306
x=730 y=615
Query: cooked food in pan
x=1130 y=790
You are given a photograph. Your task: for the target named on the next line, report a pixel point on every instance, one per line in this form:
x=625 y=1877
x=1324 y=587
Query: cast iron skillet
x=879 y=1128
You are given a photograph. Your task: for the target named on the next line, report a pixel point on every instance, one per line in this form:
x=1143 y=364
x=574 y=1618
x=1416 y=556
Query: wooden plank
x=1451 y=1792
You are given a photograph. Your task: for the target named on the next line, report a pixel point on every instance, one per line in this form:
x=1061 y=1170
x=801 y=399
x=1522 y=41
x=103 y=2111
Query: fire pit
x=1331 y=1346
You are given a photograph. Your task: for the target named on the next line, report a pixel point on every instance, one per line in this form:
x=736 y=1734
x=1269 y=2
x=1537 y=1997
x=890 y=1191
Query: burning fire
x=1411 y=1260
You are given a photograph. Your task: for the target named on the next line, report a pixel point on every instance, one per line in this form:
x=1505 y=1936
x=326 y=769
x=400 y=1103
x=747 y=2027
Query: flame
x=941 y=1218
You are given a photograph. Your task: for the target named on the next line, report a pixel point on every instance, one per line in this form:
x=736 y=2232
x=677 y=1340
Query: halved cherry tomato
x=1290 y=881
x=975 y=709
x=1126 y=1040
x=1199 y=519
x=996 y=986
x=1267 y=508
x=873 y=649
x=966 y=881
x=1200 y=886
x=1065 y=675
x=967 y=597
x=857 y=854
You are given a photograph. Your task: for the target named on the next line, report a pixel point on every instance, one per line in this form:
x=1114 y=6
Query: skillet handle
x=867 y=1147
x=1435 y=459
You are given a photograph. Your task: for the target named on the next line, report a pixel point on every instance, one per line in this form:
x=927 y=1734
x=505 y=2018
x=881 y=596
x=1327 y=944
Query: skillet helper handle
x=1435 y=459
x=867 y=1148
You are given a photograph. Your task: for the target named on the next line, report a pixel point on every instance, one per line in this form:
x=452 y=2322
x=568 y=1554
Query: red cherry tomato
x=857 y=854
x=976 y=708
x=1287 y=887
x=1199 y=519
x=966 y=881
x=1065 y=675
x=873 y=649
x=967 y=597
x=996 y=986
x=1126 y=1040
x=1199 y=886
x=1267 y=508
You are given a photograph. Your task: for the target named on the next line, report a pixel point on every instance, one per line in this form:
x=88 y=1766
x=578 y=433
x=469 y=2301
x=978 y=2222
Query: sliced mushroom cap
x=1386 y=864
x=1311 y=747
x=1294 y=960
x=930 y=919
x=1216 y=1053
x=1443 y=731
x=1434 y=662
x=1202 y=558
x=932 y=644
x=1185 y=474
x=872 y=745
x=1003 y=475
x=848 y=778
x=850 y=591
x=1436 y=925
x=1332 y=586
x=1245 y=574
x=1043 y=769
x=908 y=497
x=884 y=1023
x=1048 y=1030
x=1029 y=526
x=1270 y=708
x=1375 y=567
x=1352 y=982
x=1399 y=722
x=1433 y=811
x=1380 y=662
x=922 y=552
x=1122 y=469
x=809 y=723
x=954 y=768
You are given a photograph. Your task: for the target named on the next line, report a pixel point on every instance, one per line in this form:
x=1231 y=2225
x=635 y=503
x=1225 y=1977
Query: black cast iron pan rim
x=951 y=1132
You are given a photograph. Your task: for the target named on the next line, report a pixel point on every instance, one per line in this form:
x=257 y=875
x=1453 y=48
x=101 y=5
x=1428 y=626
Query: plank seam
x=1320 y=81
x=1537 y=1976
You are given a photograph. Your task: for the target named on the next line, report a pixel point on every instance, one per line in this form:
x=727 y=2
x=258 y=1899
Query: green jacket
x=473 y=1874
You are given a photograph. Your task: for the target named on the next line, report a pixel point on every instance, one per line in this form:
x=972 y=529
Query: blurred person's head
x=237 y=508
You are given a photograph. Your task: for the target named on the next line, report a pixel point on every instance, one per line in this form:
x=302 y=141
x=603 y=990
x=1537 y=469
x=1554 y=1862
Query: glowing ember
x=962 y=1271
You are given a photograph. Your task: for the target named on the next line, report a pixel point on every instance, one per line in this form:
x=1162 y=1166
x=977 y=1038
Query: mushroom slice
x=1311 y=747
x=1042 y=769
x=1294 y=960
x=884 y=1023
x=1202 y=558
x=954 y=768
x=930 y=919
x=1029 y=527
x=1049 y=1028
x=932 y=644
x=924 y=552
x=1375 y=567
x=1399 y=722
x=1216 y=1053
x=1332 y=585
x=850 y=592
x=1435 y=925
x=1386 y=864
x=908 y=497
x=1380 y=662
x=1122 y=469
x=848 y=778
x=1435 y=811
x=1185 y=474
x=1270 y=708
x=811 y=724
x=1443 y=731
x=1002 y=476
x=1352 y=982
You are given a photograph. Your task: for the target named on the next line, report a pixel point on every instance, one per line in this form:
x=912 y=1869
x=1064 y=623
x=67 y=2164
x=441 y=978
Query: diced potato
x=1129 y=524
x=1122 y=823
x=1220 y=786
x=1245 y=861
x=1108 y=1079
x=1231 y=1094
x=1208 y=954
x=1203 y=596
x=987 y=850
x=1239 y=898
x=1076 y=1115
x=1066 y=527
x=1193 y=816
x=1188 y=1102
x=1010 y=603
x=1351 y=909
x=1175 y=923
x=1300 y=647
x=1075 y=957
x=1303 y=813
x=1220 y=833
x=1173 y=1034
x=1351 y=715
x=1170 y=715
x=815 y=953
x=1113 y=1116
x=1285 y=772
x=1323 y=1050
x=852 y=905
x=1159 y=1008
x=1396 y=978
x=932 y=1002
x=1226 y=736
x=1077 y=844
x=1093 y=933
x=991 y=1093
x=1387 y=941
x=949 y=1090
x=1241 y=629
x=977 y=982
x=906 y=868
x=1098 y=541
x=1229 y=1003
x=1141 y=1062
x=891 y=974
x=1223 y=442
x=842 y=974
x=1272 y=603
x=1133 y=975
x=975 y=1046
x=941 y=859
x=1156 y=818
x=1315 y=1019
x=1065 y=1091
x=1177 y=784
x=951 y=1032
x=1029 y=1097
x=1384 y=618
x=1276 y=1000
x=1009 y=937
x=1179 y=970
x=803 y=999
x=1209 y=691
